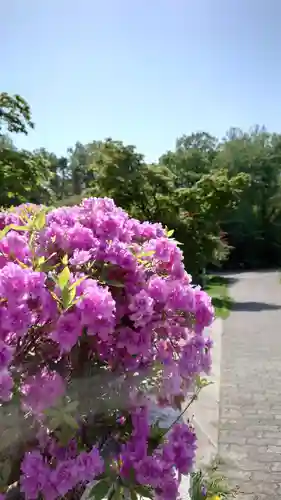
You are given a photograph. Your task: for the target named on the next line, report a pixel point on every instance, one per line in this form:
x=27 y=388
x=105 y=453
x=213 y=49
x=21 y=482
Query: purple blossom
x=78 y=238
x=141 y=308
x=155 y=318
x=42 y=391
x=149 y=471
x=97 y=309
x=35 y=475
x=204 y=311
x=15 y=246
x=13 y=282
x=182 y=297
x=6 y=354
x=159 y=289
x=64 y=477
x=7 y=218
x=134 y=342
x=119 y=254
x=17 y=319
x=195 y=356
x=80 y=257
x=182 y=446
x=68 y=330
x=89 y=465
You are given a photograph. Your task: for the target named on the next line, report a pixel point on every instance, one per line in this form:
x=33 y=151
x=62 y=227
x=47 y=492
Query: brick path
x=250 y=408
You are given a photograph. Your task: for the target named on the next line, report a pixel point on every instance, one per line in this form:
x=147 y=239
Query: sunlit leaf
x=39 y=220
x=63 y=278
x=68 y=295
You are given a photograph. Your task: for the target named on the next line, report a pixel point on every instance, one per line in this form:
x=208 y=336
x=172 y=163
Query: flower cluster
x=88 y=286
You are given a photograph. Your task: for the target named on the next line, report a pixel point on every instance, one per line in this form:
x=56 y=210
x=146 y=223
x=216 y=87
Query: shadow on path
x=222 y=279
x=253 y=306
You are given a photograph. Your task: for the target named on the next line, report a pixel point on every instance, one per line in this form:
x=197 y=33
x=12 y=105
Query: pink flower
x=42 y=391
x=67 y=331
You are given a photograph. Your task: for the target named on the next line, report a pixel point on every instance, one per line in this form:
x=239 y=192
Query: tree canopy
x=221 y=197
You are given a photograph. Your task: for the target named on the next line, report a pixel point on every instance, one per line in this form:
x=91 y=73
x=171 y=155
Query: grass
x=217 y=288
x=210 y=484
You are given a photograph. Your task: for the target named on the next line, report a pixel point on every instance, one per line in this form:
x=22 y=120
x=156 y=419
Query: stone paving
x=250 y=405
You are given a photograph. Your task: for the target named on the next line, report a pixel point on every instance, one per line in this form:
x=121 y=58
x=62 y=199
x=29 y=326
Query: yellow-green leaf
x=18 y=228
x=14 y=227
x=149 y=253
x=68 y=296
x=39 y=220
x=77 y=282
x=63 y=278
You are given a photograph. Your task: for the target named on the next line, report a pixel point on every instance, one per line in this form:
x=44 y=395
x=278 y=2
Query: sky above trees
x=142 y=71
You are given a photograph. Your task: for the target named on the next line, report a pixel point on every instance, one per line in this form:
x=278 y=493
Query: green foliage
x=216 y=287
x=15 y=114
x=24 y=177
x=223 y=199
x=190 y=201
x=209 y=484
x=254 y=227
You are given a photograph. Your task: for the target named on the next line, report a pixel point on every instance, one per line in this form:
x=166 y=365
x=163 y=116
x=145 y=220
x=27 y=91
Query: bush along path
x=98 y=319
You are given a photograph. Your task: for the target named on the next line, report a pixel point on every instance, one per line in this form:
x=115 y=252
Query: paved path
x=250 y=407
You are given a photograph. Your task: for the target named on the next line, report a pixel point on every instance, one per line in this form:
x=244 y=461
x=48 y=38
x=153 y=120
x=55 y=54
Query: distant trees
x=222 y=198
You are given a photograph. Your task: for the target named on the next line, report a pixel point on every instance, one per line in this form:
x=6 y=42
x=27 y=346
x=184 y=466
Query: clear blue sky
x=143 y=71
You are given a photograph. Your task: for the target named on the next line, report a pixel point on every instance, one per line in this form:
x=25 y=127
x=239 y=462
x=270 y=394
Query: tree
x=78 y=162
x=15 y=113
x=24 y=175
x=192 y=158
x=170 y=192
x=254 y=227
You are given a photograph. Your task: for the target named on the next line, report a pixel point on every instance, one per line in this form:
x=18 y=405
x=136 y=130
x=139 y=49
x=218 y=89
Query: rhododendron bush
x=98 y=321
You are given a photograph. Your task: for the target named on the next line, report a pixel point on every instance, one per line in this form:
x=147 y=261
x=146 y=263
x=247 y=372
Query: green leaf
x=133 y=494
x=54 y=423
x=100 y=490
x=18 y=228
x=39 y=220
x=77 y=282
x=39 y=263
x=70 y=421
x=144 y=491
x=64 y=435
x=202 y=382
x=68 y=296
x=14 y=227
x=63 y=278
x=72 y=406
x=170 y=233
x=5 y=471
